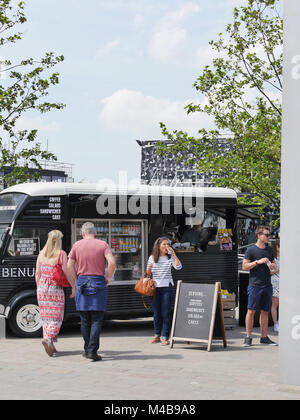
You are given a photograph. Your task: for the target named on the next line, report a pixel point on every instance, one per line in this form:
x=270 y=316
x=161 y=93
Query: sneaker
x=276 y=327
x=94 y=357
x=155 y=340
x=267 y=341
x=247 y=342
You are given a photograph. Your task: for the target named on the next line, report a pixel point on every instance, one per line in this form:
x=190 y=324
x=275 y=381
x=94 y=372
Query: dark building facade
x=168 y=169
x=55 y=172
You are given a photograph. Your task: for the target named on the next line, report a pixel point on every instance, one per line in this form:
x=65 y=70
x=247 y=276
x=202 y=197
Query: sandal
x=54 y=351
x=47 y=346
x=164 y=342
x=155 y=340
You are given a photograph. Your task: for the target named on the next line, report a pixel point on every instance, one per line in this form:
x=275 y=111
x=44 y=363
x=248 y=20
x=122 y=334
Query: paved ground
x=132 y=368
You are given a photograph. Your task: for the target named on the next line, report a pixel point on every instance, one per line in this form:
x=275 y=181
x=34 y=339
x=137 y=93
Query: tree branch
x=257 y=86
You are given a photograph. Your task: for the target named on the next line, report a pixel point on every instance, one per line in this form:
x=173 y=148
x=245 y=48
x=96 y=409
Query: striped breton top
x=161 y=271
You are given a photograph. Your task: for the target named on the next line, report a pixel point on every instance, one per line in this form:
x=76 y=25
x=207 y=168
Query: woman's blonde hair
x=53 y=245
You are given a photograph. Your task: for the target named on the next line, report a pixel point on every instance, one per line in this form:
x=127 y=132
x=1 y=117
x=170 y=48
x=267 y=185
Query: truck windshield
x=3 y=230
x=9 y=204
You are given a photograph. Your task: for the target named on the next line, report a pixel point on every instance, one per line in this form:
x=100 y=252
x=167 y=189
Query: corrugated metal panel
x=123 y=298
x=197 y=268
x=209 y=268
x=120 y=299
x=201 y=268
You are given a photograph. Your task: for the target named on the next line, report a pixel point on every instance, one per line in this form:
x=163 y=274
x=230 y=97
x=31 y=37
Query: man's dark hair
x=261 y=228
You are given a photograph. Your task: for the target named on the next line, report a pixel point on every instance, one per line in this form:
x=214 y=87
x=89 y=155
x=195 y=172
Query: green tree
x=248 y=64
x=24 y=87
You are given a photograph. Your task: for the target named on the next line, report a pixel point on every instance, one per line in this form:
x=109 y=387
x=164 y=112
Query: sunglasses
x=266 y=234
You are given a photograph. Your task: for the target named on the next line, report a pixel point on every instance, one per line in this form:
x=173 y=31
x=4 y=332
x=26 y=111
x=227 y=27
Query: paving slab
x=134 y=369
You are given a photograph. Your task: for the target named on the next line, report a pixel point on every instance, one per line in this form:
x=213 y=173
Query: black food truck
x=130 y=219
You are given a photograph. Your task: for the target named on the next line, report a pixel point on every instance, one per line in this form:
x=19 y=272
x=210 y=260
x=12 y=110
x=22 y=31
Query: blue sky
x=129 y=64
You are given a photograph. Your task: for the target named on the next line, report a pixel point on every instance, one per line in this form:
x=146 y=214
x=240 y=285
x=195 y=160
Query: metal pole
x=289 y=301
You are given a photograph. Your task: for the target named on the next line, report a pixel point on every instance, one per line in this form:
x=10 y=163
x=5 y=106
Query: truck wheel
x=25 y=320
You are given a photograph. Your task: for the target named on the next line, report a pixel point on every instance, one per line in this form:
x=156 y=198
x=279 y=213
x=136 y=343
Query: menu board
x=45 y=208
x=198 y=314
x=53 y=209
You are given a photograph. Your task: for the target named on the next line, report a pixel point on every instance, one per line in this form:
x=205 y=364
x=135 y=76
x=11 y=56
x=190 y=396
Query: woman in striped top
x=160 y=263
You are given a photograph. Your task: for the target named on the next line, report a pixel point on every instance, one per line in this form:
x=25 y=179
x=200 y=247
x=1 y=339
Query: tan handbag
x=145 y=286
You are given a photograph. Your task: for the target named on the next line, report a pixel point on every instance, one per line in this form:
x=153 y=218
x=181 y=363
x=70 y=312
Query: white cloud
x=38 y=124
x=165 y=42
x=107 y=48
x=169 y=34
x=132 y=111
x=177 y=17
x=205 y=55
x=139 y=21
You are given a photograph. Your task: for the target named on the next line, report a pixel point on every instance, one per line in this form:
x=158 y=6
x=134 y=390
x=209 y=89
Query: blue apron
x=91 y=293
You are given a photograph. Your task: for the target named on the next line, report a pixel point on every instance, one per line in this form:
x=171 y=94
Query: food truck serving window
x=9 y=204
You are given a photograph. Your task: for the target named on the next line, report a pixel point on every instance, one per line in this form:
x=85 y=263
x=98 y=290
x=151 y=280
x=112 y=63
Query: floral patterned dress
x=275 y=279
x=51 y=299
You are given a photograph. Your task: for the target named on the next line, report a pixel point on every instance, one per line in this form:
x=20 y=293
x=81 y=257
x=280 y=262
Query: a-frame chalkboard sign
x=198 y=314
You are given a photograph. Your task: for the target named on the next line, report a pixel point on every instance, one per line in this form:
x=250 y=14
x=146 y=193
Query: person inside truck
x=199 y=235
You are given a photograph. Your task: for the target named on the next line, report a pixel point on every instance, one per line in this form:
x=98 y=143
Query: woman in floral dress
x=275 y=284
x=51 y=298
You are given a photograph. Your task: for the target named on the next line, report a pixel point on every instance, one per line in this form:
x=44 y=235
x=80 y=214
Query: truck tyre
x=25 y=320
